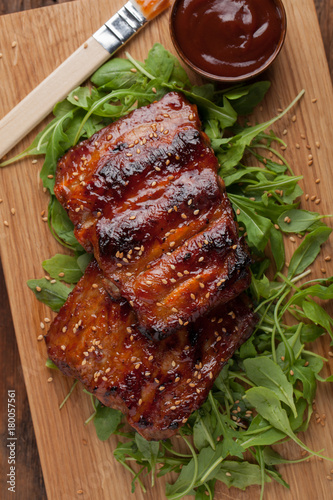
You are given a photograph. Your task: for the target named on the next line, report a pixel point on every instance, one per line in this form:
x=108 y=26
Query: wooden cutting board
x=75 y=464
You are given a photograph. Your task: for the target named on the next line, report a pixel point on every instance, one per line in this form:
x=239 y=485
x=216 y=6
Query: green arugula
x=263 y=395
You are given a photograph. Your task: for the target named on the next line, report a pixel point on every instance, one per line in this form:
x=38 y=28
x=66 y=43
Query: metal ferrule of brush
x=120 y=28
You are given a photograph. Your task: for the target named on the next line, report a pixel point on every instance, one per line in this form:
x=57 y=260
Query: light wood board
x=72 y=458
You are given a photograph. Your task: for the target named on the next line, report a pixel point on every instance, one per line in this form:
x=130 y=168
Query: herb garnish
x=264 y=394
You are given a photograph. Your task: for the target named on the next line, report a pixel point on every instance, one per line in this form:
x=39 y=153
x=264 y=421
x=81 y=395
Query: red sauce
x=227 y=38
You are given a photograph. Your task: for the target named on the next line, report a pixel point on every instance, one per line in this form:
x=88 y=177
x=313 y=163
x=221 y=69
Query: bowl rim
x=229 y=79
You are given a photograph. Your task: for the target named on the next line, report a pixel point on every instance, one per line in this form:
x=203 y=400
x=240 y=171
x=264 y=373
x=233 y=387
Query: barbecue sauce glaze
x=228 y=38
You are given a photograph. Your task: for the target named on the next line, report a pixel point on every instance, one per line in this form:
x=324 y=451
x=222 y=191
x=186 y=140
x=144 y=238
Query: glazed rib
x=157 y=385
x=145 y=197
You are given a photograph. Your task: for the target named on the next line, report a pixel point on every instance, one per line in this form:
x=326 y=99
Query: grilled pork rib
x=145 y=197
x=157 y=385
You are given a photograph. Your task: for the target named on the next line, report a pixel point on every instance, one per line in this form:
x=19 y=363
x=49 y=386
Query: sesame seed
x=328 y=258
x=177 y=379
x=5 y=223
x=192 y=296
x=293 y=119
x=50 y=176
x=38 y=289
x=196 y=212
x=132 y=217
x=150 y=358
x=292 y=239
x=317 y=181
x=307 y=197
x=323 y=270
x=313 y=198
x=154 y=90
x=40 y=337
x=174 y=309
x=291 y=372
x=172 y=244
x=50 y=379
x=137 y=366
x=318 y=200
x=314 y=100
x=200 y=259
x=153 y=183
x=161 y=388
x=14 y=44
x=180 y=322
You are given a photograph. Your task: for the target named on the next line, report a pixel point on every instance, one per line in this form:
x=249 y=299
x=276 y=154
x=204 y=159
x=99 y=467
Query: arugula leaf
x=265 y=373
x=277 y=247
x=166 y=67
x=308 y=250
x=318 y=315
x=300 y=220
x=63 y=264
x=61 y=227
x=115 y=74
x=106 y=421
x=246 y=97
x=240 y=474
x=54 y=295
x=258 y=228
x=56 y=146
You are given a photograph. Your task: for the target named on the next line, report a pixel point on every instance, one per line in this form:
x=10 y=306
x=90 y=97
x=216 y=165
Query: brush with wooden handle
x=76 y=69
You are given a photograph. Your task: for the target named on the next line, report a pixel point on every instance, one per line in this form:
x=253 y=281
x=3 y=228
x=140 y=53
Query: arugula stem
x=68 y=395
x=174 y=452
x=195 y=475
x=138 y=66
x=276 y=153
x=209 y=491
x=135 y=475
x=282 y=335
x=237 y=375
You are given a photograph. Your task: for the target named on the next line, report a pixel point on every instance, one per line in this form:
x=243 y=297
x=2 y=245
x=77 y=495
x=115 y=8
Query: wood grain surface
x=304 y=53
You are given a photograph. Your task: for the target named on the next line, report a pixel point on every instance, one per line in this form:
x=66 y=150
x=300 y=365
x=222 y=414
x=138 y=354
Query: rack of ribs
x=96 y=339
x=145 y=197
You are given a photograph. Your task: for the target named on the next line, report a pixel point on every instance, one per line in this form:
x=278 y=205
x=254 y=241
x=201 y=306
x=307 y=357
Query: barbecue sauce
x=228 y=38
x=151 y=8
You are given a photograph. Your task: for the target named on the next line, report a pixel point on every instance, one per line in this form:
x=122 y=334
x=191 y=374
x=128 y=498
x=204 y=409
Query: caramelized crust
x=157 y=385
x=145 y=197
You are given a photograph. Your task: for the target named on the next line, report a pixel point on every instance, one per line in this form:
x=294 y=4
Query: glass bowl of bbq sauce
x=228 y=40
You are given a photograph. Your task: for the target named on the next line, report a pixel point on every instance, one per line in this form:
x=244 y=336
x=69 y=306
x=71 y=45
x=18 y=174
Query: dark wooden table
x=29 y=475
